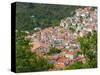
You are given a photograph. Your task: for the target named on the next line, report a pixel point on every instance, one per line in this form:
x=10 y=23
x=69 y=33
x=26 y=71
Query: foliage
x=29 y=16
x=88 y=45
x=26 y=61
x=72 y=29
x=76 y=65
x=89 y=48
x=54 y=50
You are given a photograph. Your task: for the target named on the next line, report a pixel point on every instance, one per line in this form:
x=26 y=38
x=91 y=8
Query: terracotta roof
x=63 y=60
x=60 y=47
x=70 y=53
x=39 y=47
x=50 y=57
x=59 y=66
x=37 y=44
x=61 y=54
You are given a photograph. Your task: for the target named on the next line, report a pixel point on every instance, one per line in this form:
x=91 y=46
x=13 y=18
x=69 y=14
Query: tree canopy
x=26 y=61
x=29 y=16
x=53 y=50
x=88 y=47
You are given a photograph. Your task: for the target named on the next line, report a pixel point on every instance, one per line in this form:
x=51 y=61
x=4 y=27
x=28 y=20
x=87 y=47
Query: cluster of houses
x=61 y=37
x=84 y=21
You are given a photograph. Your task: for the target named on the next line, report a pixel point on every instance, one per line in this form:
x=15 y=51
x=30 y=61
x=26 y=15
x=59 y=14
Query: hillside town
x=64 y=38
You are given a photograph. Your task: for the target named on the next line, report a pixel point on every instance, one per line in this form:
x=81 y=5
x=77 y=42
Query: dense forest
x=29 y=15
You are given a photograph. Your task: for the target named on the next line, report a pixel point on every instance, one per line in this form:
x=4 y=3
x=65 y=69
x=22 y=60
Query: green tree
x=54 y=50
x=26 y=61
x=29 y=16
x=89 y=48
x=88 y=45
x=76 y=65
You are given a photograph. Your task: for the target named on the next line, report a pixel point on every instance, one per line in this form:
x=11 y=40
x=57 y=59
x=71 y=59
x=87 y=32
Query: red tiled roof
x=64 y=59
x=50 y=57
x=70 y=53
x=60 y=47
x=37 y=44
x=58 y=66
x=33 y=49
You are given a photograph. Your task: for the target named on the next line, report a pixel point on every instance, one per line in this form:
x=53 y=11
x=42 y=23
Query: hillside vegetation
x=29 y=16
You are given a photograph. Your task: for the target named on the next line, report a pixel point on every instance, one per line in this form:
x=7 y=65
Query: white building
x=70 y=55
